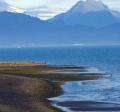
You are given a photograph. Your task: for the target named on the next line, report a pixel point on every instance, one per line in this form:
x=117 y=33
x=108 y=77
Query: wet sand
x=90 y=106
x=27 y=94
x=25 y=87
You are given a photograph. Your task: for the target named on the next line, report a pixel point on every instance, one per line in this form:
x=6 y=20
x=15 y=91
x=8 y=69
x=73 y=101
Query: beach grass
x=20 y=64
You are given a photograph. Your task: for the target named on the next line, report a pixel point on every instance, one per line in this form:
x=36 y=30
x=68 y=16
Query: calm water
x=103 y=58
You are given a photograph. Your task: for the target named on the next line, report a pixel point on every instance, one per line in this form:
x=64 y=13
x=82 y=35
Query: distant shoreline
x=62 y=46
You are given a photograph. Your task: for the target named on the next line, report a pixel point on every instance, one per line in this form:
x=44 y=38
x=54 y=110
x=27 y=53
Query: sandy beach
x=24 y=93
x=25 y=87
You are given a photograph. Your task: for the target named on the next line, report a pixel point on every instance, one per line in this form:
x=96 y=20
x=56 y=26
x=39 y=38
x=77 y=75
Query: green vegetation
x=16 y=64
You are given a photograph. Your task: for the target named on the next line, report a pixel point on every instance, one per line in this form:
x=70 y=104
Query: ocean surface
x=103 y=58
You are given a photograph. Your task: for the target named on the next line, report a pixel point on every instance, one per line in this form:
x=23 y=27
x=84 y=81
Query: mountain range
x=88 y=22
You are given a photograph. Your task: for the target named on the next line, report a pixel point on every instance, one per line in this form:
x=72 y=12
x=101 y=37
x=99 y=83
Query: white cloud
x=6 y=7
x=44 y=12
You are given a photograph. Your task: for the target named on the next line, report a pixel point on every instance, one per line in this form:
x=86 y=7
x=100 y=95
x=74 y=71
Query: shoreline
x=89 y=106
x=26 y=93
x=27 y=86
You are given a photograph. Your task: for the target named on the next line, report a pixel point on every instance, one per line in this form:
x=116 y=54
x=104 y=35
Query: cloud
x=113 y=4
x=44 y=12
x=7 y=7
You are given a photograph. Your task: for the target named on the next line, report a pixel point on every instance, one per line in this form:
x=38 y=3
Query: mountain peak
x=88 y=6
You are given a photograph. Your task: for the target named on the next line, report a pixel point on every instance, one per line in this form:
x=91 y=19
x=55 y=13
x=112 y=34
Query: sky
x=56 y=6
x=56 y=3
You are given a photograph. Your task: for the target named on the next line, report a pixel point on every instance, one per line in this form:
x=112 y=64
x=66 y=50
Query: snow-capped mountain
x=8 y=8
x=91 y=13
x=88 y=6
x=81 y=24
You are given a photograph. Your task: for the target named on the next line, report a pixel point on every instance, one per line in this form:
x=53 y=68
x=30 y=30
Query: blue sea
x=103 y=58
